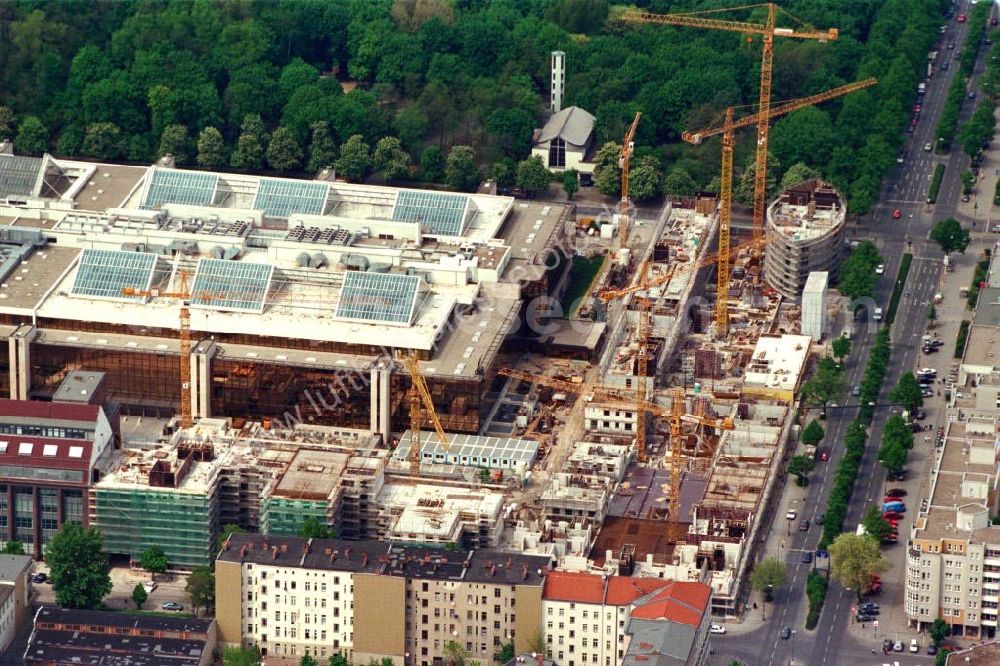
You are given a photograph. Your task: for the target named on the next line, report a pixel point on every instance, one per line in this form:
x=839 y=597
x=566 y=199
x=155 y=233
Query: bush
x=816 y=593
x=979 y=275
x=897 y=291
x=948 y=120
x=996 y=193
x=932 y=193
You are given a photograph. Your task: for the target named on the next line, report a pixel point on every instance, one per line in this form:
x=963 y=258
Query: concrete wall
x=528 y=621
x=228 y=602
x=379 y=618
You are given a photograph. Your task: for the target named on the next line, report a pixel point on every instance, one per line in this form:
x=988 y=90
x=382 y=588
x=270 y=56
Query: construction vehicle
x=676 y=415
x=624 y=163
x=728 y=129
x=768 y=32
x=421 y=404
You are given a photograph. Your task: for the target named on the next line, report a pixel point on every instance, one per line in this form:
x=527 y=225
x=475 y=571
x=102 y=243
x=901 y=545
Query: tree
x=950 y=235
x=907 y=392
x=312 y=528
x=967 y=181
x=813 y=433
x=32 y=137
x=932 y=314
x=875 y=525
x=390 y=160
x=768 y=575
x=798 y=173
x=103 y=141
x=174 y=141
x=506 y=653
x=234 y=656
x=743 y=191
x=645 y=181
x=800 y=466
x=139 y=595
x=78 y=567
x=432 y=164
x=254 y=126
x=841 y=348
x=153 y=560
x=200 y=588
x=825 y=385
x=283 y=151
x=308 y=660
x=857 y=273
x=460 y=172
x=13 y=548
x=854 y=559
x=532 y=176
x=322 y=147
x=454 y=653
x=679 y=183
x=211 y=148
x=227 y=531
x=939 y=631
x=578 y=16
x=897 y=430
x=536 y=643
x=892 y=455
x=570 y=182
x=607 y=174
x=7 y=123
x=410 y=15
x=249 y=153
x=355 y=158
x=338 y=660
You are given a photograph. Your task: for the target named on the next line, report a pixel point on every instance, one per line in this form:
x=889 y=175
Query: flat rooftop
x=312 y=474
x=806 y=211
x=777 y=362
x=472 y=450
x=645 y=493
x=983 y=346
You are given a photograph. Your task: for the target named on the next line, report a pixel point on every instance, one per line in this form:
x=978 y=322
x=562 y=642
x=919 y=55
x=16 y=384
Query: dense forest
x=294 y=84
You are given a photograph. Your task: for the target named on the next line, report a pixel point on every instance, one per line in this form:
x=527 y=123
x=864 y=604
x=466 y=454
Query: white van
x=878 y=314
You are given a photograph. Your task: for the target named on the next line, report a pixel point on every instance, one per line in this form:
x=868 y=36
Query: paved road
x=905 y=189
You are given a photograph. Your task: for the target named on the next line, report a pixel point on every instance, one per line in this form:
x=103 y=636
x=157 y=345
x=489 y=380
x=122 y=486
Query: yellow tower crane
x=421 y=404
x=624 y=163
x=727 y=128
x=768 y=31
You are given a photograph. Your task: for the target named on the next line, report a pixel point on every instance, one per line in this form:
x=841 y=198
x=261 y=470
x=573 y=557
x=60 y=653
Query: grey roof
x=988 y=307
x=18 y=174
x=11 y=566
x=472 y=450
x=572 y=124
x=658 y=643
x=179 y=624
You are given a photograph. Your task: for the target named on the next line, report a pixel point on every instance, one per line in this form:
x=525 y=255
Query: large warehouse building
x=301 y=292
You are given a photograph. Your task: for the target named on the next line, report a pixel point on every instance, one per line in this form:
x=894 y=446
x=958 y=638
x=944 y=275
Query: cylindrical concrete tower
x=805 y=234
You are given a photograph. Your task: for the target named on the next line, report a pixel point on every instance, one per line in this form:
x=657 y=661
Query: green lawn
x=581 y=277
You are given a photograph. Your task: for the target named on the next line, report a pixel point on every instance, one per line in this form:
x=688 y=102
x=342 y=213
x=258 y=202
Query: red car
x=916 y=108
x=896 y=214
x=961 y=18
x=824 y=455
x=892 y=515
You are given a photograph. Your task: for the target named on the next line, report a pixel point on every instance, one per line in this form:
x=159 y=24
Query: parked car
x=824 y=455
x=149 y=586
x=915 y=427
x=927 y=393
x=880 y=269
x=960 y=19
x=897 y=646
x=869 y=604
x=171 y=606
x=791 y=514
x=39 y=578
x=931 y=649
x=928 y=147
x=717 y=629
x=914 y=646
x=804 y=525
x=892 y=515
x=896 y=214
x=896 y=492
x=927 y=371
x=862 y=617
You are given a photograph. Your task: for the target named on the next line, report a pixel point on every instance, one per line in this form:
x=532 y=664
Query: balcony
x=992 y=561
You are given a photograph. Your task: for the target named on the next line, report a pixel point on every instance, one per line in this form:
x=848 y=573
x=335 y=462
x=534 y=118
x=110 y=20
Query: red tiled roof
x=579 y=587
x=680 y=602
x=58 y=411
x=624 y=590
x=34 y=455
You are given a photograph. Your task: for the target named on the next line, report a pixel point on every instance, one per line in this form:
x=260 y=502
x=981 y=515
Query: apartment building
x=368 y=599
x=611 y=620
x=953 y=556
x=15 y=597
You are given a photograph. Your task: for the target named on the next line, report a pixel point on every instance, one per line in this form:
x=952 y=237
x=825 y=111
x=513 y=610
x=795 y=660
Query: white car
x=927 y=371
x=927 y=147
x=880 y=269
x=717 y=629
x=877 y=316
x=791 y=514
x=914 y=647
x=149 y=586
x=996 y=228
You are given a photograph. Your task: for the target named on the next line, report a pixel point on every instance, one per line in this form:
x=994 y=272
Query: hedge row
x=897 y=290
x=978 y=17
x=963 y=334
x=816 y=593
x=948 y=122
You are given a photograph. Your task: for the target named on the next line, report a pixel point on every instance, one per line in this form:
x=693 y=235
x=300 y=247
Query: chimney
x=364 y=559
x=284 y=547
x=305 y=548
x=493 y=571
x=328 y=551
x=266 y=545
x=558 y=81
x=333 y=556
x=243 y=551
x=524 y=572
x=225 y=545
x=347 y=553
x=274 y=553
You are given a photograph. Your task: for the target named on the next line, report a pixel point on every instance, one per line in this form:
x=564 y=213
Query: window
x=557 y=153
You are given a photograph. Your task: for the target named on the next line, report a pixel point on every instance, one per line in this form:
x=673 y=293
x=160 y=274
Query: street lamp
x=793 y=645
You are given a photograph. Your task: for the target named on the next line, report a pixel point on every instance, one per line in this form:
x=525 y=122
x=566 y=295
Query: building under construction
x=301 y=293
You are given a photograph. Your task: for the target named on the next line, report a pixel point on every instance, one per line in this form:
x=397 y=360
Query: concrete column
x=201 y=378
x=19 y=351
x=373 y=395
x=385 y=400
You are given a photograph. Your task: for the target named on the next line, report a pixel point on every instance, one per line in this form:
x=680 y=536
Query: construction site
x=364 y=356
